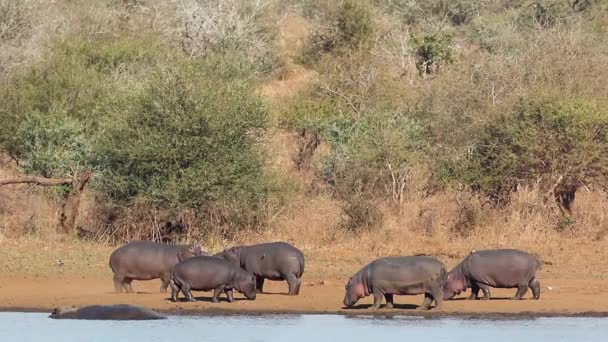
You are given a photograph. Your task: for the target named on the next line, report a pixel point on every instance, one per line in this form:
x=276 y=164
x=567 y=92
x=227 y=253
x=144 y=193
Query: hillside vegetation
x=412 y=125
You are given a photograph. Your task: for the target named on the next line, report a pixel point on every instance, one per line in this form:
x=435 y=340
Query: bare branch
x=35 y=180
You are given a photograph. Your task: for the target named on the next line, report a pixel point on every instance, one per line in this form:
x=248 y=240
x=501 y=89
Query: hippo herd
x=244 y=268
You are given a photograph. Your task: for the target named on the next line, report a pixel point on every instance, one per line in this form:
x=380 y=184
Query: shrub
x=558 y=143
x=360 y=215
x=227 y=27
x=432 y=52
x=346 y=26
x=14 y=19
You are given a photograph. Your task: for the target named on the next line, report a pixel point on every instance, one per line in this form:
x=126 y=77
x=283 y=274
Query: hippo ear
x=263 y=256
x=449 y=276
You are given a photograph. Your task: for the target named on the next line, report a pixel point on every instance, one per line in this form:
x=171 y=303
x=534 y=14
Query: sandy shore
x=566 y=297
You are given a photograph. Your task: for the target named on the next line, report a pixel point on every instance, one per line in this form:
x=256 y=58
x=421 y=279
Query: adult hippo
x=146 y=260
x=499 y=268
x=273 y=261
x=106 y=312
x=405 y=275
x=204 y=273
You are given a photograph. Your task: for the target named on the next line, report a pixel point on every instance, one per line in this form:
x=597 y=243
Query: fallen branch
x=36 y=180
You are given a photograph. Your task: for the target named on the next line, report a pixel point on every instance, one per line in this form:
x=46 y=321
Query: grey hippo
x=120 y=312
x=146 y=260
x=403 y=275
x=498 y=268
x=272 y=261
x=204 y=273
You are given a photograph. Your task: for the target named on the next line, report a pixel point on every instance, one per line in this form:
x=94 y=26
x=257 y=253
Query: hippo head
x=354 y=291
x=245 y=284
x=58 y=312
x=453 y=286
x=190 y=252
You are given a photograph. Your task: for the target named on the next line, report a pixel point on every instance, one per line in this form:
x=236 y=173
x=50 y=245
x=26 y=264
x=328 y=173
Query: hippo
x=499 y=268
x=273 y=261
x=204 y=273
x=402 y=275
x=106 y=312
x=146 y=260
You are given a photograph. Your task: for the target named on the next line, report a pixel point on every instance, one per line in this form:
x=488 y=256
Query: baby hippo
x=205 y=273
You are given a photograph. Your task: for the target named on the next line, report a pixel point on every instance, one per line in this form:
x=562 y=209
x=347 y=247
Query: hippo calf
x=106 y=312
x=204 y=273
x=273 y=261
x=499 y=268
x=146 y=260
x=406 y=275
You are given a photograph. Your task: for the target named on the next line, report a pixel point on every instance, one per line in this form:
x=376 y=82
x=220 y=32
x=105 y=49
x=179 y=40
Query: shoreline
x=357 y=313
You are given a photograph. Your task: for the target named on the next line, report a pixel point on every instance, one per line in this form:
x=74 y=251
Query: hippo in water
x=273 y=261
x=146 y=260
x=406 y=275
x=106 y=312
x=500 y=268
x=204 y=273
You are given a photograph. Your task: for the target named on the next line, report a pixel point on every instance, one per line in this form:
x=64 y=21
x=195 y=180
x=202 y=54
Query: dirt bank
x=567 y=296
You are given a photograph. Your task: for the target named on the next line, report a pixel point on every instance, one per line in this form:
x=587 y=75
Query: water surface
x=25 y=327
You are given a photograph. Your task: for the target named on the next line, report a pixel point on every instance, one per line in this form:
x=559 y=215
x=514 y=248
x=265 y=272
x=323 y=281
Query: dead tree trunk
x=69 y=210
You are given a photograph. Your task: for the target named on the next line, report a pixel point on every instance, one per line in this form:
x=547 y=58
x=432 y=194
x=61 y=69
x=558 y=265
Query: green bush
x=432 y=52
x=558 y=143
x=347 y=26
x=187 y=139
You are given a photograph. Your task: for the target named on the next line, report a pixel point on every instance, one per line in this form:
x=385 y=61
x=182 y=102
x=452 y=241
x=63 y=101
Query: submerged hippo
x=500 y=268
x=204 y=273
x=273 y=261
x=146 y=260
x=106 y=312
x=407 y=275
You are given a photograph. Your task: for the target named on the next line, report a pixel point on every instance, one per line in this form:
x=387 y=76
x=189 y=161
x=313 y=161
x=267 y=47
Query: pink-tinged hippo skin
x=405 y=275
x=499 y=268
x=118 y=312
x=205 y=273
x=272 y=261
x=146 y=260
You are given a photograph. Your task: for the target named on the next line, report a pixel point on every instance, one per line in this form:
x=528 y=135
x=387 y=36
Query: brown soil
x=567 y=296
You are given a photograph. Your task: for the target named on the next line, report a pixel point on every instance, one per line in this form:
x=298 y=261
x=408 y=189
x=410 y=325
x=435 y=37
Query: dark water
x=24 y=327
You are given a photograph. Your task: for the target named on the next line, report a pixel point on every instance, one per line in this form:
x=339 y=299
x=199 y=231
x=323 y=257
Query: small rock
x=324 y=282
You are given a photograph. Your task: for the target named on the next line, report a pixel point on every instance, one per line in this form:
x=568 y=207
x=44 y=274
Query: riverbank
x=572 y=297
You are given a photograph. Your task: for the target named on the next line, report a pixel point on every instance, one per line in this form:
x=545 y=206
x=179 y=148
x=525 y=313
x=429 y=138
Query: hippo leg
x=259 y=284
x=118 y=283
x=377 y=299
x=389 y=301
x=486 y=291
x=165 y=279
x=426 y=304
x=535 y=286
x=293 y=283
x=229 y=295
x=216 y=294
x=187 y=291
x=521 y=291
x=126 y=284
x=474 y=292
x=437 y=294
x=174 y=290
x=298 y=286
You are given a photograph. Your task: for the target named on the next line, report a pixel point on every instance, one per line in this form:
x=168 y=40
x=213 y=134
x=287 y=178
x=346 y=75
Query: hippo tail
x=301 y=260
x=443 y=277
